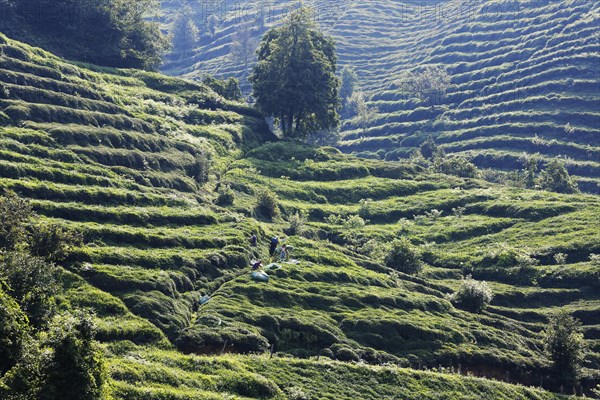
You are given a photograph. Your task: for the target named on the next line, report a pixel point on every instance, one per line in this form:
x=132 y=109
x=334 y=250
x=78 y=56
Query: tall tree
x=364 y=114
x=429 y=84
x=294 y=79
x=564 y=345
x=243 y=48
x=349 y=82
x=185 y=32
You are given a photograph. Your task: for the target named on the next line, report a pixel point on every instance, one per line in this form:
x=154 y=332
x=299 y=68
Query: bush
x=225 y=196
x=74 y=369
x=14 y=213
x=457 y=166
x=52 y=242
x=404 y=257
x=266 y=204
x=564 y=345
x=346 y=354
x=297 y=225
x=62 y=362
x=200 y=168
x=229 y=89
x=31 y=282
x=560 y=258
x=472 y=295
x=13 y=327
x=555 y=178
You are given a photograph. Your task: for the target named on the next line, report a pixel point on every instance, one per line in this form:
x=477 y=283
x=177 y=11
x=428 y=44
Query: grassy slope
x=115 y=155
x=521 y=71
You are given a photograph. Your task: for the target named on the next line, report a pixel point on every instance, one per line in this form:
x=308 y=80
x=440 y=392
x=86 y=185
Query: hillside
x=132 y=160
x=524 y=75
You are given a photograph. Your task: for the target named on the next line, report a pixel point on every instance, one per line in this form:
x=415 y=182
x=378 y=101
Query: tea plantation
x=524 y=75
x=138 y=162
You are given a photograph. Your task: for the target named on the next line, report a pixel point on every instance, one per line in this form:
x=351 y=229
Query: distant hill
x=525 y=75
x=136 y=162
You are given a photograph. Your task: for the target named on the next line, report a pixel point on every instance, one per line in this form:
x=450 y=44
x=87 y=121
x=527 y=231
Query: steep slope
x=524 y=74
x=131 y=160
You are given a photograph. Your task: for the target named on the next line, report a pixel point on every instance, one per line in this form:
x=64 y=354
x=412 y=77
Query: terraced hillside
x=132 y=159
x=524 y=75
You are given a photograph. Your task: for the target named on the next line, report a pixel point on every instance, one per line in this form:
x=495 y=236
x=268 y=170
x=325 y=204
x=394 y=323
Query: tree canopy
x=112 y=33
x=295 y=79
x=185 y=32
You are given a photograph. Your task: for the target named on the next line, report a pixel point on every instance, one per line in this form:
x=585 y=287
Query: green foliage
x=429 y=84
x=229 y=89
x=62 y=362
x=74 y=367
x=297 y=224
x=52 y=242
x=31 y=281
x=226 y=195
x=106 y=32
x=560 y=258
x=294 y=79
x=13 y=330
x=563 y=343
x=243 y=49
x=200 y=168
x=359 y=107
x=266 y=204
x=185 y=32
x=154 y=247
x=404 y=257
x=428 y=149
x=472 y=295
x=14 y=214
x=457 y=166
x=348 y=84
x=556 y=178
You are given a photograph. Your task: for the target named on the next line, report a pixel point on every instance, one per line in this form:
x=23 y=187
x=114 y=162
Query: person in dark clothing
x=273 y=245
x=253 y=240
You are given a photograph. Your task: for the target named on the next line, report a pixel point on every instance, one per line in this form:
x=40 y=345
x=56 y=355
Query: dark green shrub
x=404 y=257
x=266 y=204
x=556 y=178
x=63 y=362
x=327 y=353
x=230 y=88
x=74 y=369
x=428 y=148
x=226 y=195
x=14 y=213
x=31 y=282
x=297 y=224
x=200 y=168
x=564 y=345
x=457 y=166
x=13 y=327
x=346 y=354
x=52 y=242
x=472 y=295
